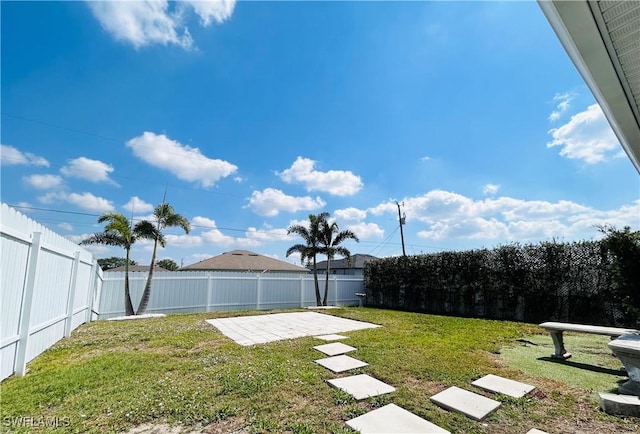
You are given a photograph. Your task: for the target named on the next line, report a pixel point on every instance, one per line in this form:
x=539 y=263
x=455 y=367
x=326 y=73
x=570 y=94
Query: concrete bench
x=556 y=329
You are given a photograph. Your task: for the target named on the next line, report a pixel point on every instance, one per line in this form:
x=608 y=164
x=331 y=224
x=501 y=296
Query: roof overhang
x=602 y=39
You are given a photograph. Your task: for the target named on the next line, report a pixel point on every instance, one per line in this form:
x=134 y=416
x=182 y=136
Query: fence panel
x=46 y=286
x=206 y=291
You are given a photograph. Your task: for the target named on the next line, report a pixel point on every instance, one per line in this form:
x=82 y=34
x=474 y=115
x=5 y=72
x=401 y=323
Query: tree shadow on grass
x=586 y=366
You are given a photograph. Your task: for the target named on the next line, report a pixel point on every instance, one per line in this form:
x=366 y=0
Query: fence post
x=20 y=365
x=258 y=292
x=209 y=292
x=91 y=290
x=301 y=291
x=96 y=304
x=71 y=294
x=335 y=287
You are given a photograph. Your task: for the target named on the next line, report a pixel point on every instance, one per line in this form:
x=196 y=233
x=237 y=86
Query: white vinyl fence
x=47 y=287
x=204 y=291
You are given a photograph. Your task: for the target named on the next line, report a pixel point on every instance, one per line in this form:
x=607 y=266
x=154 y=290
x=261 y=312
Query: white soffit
x=602 y=39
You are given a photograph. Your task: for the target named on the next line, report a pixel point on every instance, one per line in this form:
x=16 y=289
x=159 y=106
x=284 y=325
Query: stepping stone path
x=388 y=419
x=334 y=349
x=470 y=404
x=496 y=384
x=393 y=419
x=341 y=363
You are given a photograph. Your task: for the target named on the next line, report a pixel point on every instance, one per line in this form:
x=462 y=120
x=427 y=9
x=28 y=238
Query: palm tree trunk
x=315 y=280
x=326 y=282
x=146 y=295
x=128 y=306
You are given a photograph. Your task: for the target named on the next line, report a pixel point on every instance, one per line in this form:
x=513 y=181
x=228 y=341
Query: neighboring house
x=138 y=268
x=352 y=267
x=244 y=261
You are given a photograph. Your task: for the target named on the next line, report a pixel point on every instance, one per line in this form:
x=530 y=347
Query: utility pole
x=401 y=219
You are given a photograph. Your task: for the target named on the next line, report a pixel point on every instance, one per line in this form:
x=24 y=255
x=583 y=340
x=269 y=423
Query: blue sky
x=251 y=115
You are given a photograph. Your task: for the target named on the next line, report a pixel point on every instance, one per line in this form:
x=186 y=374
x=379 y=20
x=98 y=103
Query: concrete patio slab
x=362 y=386
x=393 y=419
x=332 y=337
x=257 y=329
x=494 y=383
x=470 y=404
x=335 y=348
x=341 y=363
x=536 y=431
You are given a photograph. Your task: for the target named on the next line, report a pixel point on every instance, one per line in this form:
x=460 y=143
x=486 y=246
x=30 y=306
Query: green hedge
x=572 y=282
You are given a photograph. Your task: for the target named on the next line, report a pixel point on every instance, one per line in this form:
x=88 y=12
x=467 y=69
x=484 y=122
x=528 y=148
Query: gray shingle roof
x=244 y=260
x=357 y=261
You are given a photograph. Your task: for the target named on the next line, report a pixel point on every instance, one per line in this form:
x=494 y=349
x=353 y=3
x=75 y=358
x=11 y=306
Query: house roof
x=243 y=260
x=144 y=268
x=357 y=261
x=601 y=38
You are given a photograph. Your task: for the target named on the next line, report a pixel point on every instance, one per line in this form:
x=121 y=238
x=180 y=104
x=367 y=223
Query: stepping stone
x=536 y=431
x=334 y=349
x=494 y=383
x=332 y=337
x=393 y=419
x=362 y=386
x=341 y=363
x=470 y=404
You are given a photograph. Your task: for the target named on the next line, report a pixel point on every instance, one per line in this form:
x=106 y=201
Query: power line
x=379 y=245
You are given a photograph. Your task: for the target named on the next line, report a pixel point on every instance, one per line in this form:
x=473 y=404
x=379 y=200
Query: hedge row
x=571 y=282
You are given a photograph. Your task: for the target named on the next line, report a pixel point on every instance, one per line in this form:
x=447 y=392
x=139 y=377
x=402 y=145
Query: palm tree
x=331 y=247
x=165 y=217
x=311 y=248
x=118 y=232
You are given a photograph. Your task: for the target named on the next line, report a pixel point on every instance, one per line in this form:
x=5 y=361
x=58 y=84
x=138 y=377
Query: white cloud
x=217 y=10
x=65 y=226
x=143 y=23
x=350 y=214
x=185 y=162
x=203 y=222
x=366 y=230
x=136 y=204
x=96 y=249
x=183 y=240
x=490 y=189
x=563 y=101
x=353 y=219
x=86 y=201
x=88 y=169
x=425 y=158
x=336 y=182
x=24 y=204
x=587 y=137
x=448 y=215
x=267 y=234
x=10 y=156
x=270 y=201
x=43 y=182
x=253 y=237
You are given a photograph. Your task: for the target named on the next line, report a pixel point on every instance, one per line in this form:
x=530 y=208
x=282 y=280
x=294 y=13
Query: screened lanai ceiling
x=602 y=39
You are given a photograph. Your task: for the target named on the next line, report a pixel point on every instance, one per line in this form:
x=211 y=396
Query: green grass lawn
x=179 y=370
